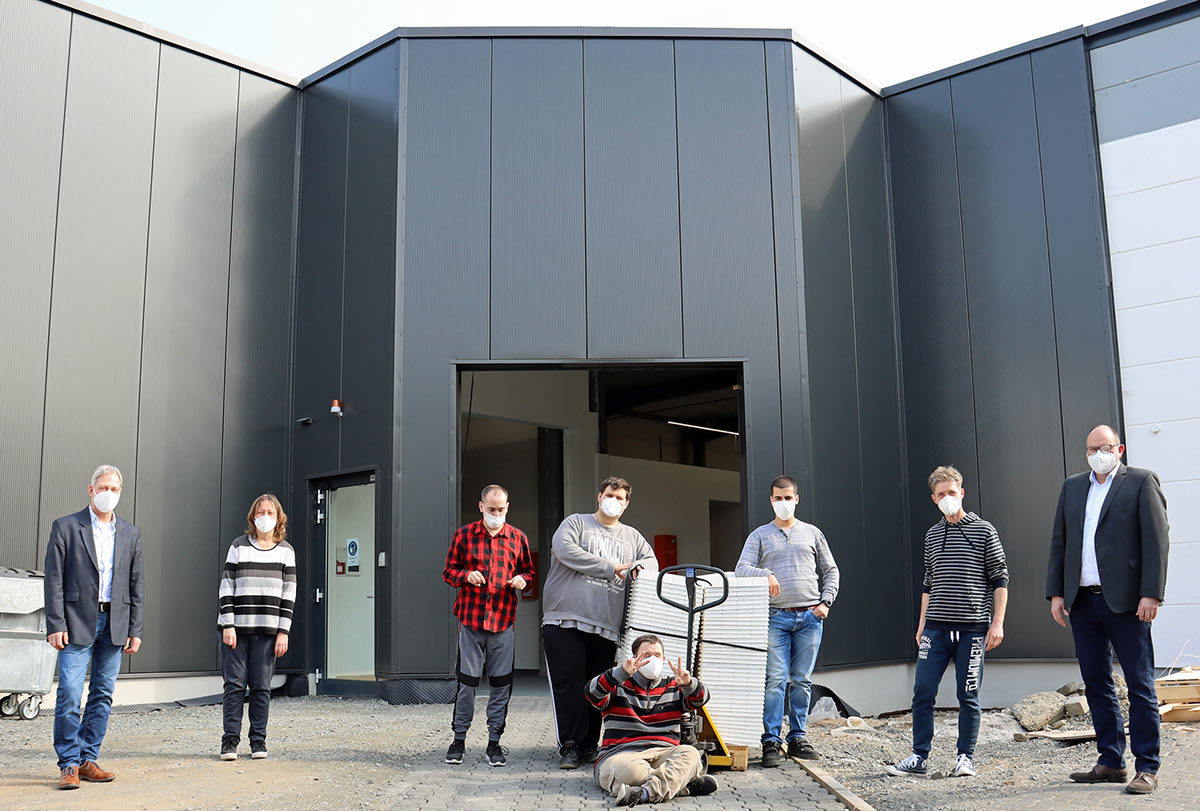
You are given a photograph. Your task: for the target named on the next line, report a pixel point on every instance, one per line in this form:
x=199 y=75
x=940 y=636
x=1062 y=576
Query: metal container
x=26 y=659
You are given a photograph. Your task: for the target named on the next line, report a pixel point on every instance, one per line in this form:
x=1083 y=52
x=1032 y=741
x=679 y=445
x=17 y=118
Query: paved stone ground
x=336 y=753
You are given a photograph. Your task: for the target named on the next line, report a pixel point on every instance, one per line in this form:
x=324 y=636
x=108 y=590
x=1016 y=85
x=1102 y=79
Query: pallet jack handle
x=691 y=609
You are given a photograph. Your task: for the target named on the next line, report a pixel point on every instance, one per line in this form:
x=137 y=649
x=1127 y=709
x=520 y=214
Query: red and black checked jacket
x=492 y=606
x=639 y=715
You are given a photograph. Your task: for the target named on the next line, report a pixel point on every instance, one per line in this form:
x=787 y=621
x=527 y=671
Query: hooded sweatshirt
x=964 y=565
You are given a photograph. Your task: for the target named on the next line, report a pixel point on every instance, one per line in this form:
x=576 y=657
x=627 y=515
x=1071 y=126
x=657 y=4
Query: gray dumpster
x=26 y=659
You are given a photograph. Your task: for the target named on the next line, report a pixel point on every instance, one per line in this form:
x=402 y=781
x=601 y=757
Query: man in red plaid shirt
x=488 y=562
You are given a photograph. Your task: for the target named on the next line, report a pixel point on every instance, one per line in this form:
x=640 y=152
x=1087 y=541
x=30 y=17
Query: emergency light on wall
x=335 y=408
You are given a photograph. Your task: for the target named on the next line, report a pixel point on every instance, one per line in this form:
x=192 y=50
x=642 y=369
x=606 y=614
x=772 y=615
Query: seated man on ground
x=641 y=760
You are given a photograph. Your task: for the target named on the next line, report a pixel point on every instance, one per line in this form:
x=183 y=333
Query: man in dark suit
x=1107 y=573
x=94 y=608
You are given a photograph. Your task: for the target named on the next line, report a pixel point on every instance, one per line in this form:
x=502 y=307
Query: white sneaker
x=965 y=767
x=914 y=764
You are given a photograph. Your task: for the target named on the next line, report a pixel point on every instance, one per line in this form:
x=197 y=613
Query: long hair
x=281 y=517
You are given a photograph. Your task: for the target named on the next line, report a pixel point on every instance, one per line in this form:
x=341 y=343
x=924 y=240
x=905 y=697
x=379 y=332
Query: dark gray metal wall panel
x=727 y=236
x=1148 y=104
x=789 y=269
x=99 y=267
x=445 y=271
x=1012 y=327
x=633 y=283
x=939 y=409
x=34 y=40
x=370 y=263
x=319 y=271
x=258 y=331
x=183 y=369
x=833 y=379
x=885 y=532
x=1079 y=274
x=538 y=262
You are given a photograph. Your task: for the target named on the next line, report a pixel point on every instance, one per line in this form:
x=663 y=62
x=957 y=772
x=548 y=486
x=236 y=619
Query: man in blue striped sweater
x=642 y=703
x=962 y=616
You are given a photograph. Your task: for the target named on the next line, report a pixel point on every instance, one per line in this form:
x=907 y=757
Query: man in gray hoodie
x=592 y=554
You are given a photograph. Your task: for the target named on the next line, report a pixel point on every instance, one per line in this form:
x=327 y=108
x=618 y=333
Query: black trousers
x=573 y=658
x=251 y=663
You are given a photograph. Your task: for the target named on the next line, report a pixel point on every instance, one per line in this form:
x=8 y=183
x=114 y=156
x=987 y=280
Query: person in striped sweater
x=642 y=704
x=962 y=616
x=257 y=596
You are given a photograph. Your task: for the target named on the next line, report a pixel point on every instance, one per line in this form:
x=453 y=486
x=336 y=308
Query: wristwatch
x=827 y=603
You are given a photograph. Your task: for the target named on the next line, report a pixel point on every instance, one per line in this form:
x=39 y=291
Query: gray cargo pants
x=477 y=649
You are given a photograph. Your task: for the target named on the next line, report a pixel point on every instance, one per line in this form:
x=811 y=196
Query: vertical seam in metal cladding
x=391 y=535
x=345 y=225
x=289 y=408
x=774 y=250
x=962 y=246
x=237 y=121
x=1037 y=134
x=62 y=139
x=583 y=160
x=137 y=418
x=491 y=174
x=853 y=311
x=679 y=202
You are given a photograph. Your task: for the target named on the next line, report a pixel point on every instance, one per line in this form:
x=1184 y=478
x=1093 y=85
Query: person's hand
x=631 y=665
x=132 y=644
x=1147 y=608
x=634 y=570
x=476 y=578
x=58 y=641
x=229 y=637
x=820 y=610
x=681 y=675
x=518 y=583
x=620 y=569
x=995 y=635
x=772 y=586
x=920 y=633
x=281 y=644
x=1058 y=610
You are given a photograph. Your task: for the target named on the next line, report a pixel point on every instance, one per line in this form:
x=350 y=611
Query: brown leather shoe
x=69 y=778
x=1100 y=774
x=92 y=773
x=1143 y=783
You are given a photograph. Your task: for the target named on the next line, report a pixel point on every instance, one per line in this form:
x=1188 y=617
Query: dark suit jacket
x=1131 y=539
x=72 y=581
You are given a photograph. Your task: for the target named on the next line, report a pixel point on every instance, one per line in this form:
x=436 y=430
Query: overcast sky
x=881 y=42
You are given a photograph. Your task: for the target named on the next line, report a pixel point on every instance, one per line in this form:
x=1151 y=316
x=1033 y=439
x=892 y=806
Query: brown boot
x=1100 y=774
x=1143 y=783
x=92 y=773
x=69 y=778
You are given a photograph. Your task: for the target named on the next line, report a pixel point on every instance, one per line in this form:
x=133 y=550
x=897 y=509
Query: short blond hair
x=944 y=473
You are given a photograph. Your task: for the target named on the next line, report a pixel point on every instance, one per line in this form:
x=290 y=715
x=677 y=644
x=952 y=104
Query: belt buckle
x=105 y=607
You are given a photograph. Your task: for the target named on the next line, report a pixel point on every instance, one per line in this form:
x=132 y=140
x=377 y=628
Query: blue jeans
x=77 y=741
x=1098 y=631
x=938 y=648
x=794 y=637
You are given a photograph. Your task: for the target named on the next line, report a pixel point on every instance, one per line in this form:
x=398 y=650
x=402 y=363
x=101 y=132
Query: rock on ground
x=1039 y=710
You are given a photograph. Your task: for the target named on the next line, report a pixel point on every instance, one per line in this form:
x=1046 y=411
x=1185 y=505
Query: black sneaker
x=258 y=750
x=771 y=756
x=701 y=786
x=229 y=749
x=495 y=754
x=630 y=796
x=914 y=764
x=590 y=754
x=454 y=754
x=800 y=748
x=569 y=757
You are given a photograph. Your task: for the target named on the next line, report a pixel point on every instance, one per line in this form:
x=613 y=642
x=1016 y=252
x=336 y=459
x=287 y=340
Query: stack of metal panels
x=647 y=614
x=733 y=658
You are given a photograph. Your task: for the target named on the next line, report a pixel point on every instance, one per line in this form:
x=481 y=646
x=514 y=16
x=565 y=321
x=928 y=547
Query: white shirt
x=1089 y=572
x=105 y=537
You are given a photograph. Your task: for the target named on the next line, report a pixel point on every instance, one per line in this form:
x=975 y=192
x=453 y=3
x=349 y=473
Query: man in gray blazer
x=94 y=609
x=1107 y=574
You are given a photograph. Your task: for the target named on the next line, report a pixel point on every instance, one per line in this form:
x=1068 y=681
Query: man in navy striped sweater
x=641 y=760
x=962 y=616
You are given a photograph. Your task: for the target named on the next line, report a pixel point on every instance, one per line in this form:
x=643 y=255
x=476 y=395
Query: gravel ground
x=1010 y=774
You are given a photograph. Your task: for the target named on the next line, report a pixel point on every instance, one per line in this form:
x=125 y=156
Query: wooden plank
x=1180 y=712
x=1178 y=693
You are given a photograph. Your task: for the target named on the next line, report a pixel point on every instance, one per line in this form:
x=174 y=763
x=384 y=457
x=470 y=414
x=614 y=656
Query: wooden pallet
x=1181 y=687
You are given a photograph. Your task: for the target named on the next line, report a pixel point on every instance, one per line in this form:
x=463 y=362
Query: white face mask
x=494 y=521
x=784 y=510
x=265 y=524
x=652 y=667
x=611 y=507
x=106 y=501
x=950 y=505
x=1102 y=462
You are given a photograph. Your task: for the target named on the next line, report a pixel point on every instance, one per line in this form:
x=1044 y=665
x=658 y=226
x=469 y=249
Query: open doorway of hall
x=550 y=434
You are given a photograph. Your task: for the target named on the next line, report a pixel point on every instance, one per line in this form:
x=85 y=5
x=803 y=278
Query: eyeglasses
x=1105 y=448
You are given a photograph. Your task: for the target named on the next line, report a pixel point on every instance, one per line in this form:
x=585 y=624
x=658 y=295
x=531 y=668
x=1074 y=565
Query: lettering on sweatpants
x=975 y=664
x=923 y=651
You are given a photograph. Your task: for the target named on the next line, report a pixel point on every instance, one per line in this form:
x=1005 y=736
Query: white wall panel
x=1160 y=273
x=1152 y=217
x=1159 y=332
x=1151 y=159
x=1171 y=452
x=1183 y=509
x=1142 y=389
x=1176 y=632
x=1184 y=590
